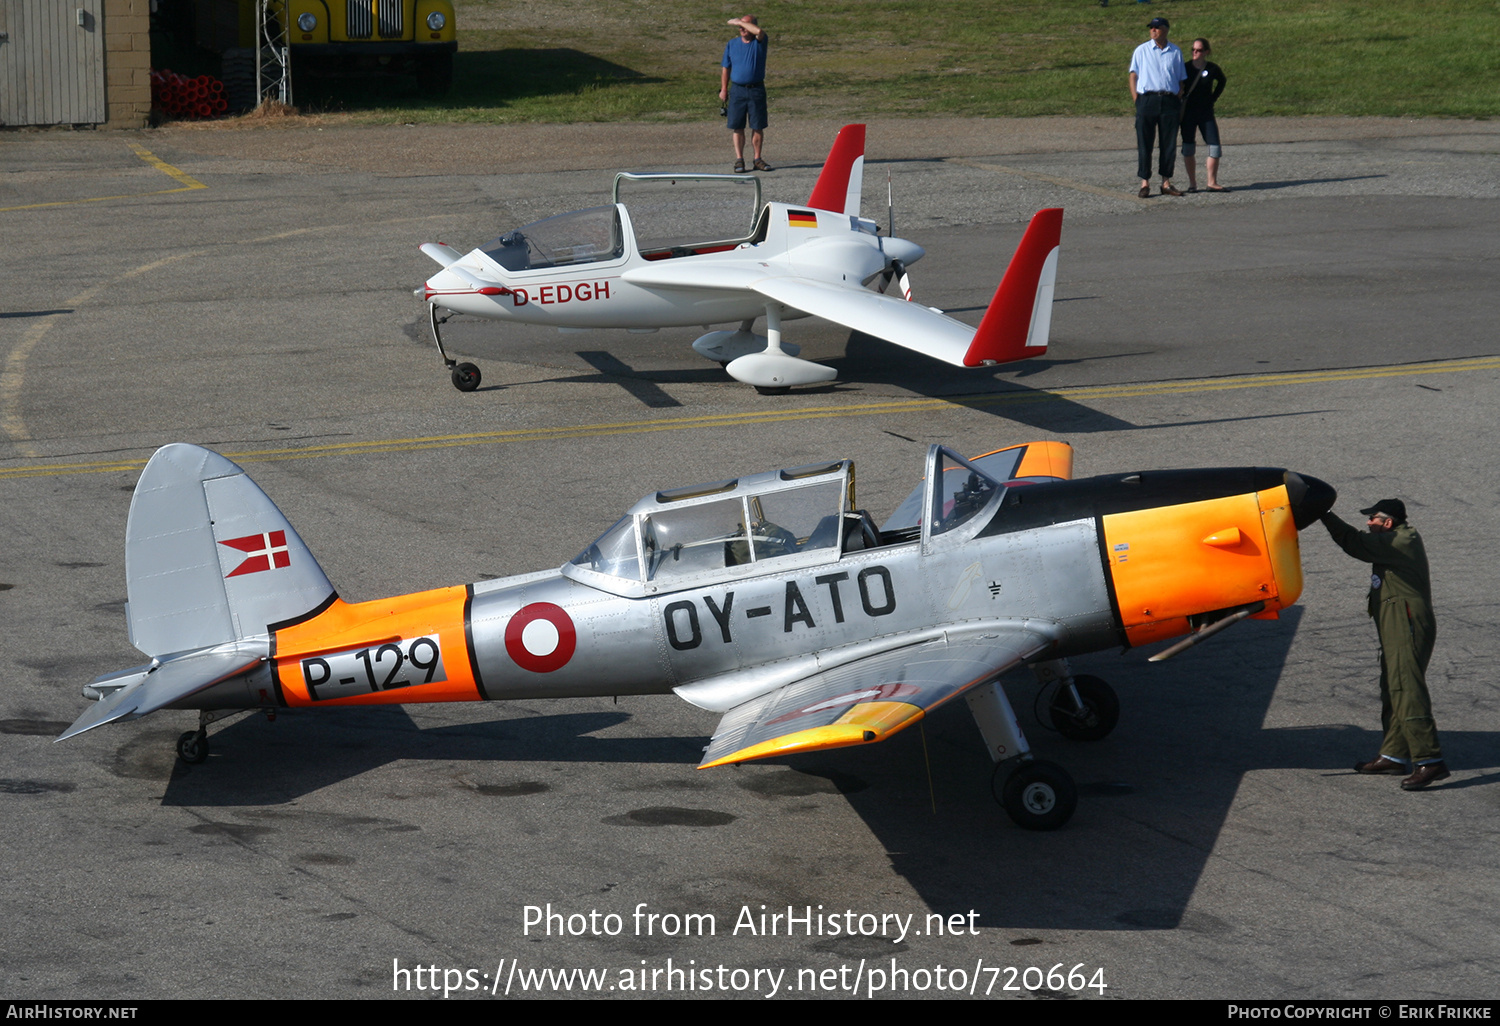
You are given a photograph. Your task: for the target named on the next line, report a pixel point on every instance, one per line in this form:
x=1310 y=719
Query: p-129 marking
x=403 y=663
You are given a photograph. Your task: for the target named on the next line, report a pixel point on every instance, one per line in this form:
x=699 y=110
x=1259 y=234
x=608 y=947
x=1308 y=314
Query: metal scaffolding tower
x=273 y=69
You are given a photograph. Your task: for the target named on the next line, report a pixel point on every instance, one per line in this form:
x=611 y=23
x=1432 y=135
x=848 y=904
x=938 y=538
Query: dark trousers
x=1156 y=116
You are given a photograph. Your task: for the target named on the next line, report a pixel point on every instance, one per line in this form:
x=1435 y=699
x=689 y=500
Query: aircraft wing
x=907 y=324
x=895 y=320
x=872 y=698
x=151 y=688
x=670 y=274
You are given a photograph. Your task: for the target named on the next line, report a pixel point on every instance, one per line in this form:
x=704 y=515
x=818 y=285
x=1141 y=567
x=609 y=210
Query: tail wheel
x=1100 y=713
x=1037 y=795
x=466 y=377
x=192 y=747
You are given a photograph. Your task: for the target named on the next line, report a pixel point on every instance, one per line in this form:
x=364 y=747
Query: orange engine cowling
x=1170 y=563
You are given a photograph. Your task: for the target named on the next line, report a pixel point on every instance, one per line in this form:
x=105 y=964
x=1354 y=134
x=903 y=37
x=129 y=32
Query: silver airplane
x=773 y=599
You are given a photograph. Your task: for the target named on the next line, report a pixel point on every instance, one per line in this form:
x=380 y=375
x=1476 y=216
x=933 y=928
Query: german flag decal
x=801 y=219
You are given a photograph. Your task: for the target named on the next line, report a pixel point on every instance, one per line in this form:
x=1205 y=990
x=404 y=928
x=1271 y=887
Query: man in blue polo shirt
x=1156 y=76
x=742 y=87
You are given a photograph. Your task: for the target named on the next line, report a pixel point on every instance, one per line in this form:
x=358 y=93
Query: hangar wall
x=83 y=62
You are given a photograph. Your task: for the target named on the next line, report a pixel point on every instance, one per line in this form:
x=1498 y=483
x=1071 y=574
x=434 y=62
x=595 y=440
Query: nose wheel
x=465 y=375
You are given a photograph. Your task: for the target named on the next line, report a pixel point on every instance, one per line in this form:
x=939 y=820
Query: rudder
x=209 y=558
x=841 y=181
x=1019 y=319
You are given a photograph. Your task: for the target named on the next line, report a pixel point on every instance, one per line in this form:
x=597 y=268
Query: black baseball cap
x=1393 y=508
x=1159 y=23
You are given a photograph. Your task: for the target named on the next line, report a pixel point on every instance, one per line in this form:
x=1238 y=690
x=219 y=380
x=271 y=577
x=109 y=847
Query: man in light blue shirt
x=1156 y=76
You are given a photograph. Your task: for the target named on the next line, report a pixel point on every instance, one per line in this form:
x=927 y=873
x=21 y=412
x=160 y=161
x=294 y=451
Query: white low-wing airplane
x=588 y=269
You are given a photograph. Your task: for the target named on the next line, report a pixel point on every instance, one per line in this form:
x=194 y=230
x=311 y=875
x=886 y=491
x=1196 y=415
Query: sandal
x=1192 y=188
x=739 y=167
x=1217 y=188
x=761 y=165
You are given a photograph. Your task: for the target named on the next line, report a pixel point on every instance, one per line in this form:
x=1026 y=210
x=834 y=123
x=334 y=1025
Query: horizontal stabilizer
x=441 y=252
x=466 y=279
x=872 y=698
x=171 y=681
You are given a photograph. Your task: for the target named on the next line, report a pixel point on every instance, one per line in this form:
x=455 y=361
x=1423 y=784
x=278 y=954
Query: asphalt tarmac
x=251 y=291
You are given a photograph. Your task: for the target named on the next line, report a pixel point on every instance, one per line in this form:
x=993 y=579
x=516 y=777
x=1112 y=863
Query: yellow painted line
x=1066 y=183
x=13 y=372
x=187 y=180
x=895 y=406
x=189 y=183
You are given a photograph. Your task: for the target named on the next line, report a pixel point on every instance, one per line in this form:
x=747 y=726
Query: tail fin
x=1019 y=319
x=843 y=176
x=211 y=566
x=209 y=558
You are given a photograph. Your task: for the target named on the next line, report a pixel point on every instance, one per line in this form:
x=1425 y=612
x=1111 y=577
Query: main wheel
x=466 y=377
x=192 y=746
x=1037 y=796
x=1099 y=716
x=773 y=389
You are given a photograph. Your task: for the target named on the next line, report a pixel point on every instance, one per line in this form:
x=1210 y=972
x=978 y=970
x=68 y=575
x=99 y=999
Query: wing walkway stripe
x=895 y=406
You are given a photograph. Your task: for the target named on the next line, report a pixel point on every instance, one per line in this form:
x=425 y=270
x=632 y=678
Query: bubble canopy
x=678 y=538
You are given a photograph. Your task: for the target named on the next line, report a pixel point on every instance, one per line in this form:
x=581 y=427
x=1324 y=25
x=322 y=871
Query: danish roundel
x=541 y=637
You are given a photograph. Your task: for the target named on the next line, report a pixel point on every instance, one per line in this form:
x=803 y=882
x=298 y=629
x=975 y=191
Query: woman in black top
x=1204 y=83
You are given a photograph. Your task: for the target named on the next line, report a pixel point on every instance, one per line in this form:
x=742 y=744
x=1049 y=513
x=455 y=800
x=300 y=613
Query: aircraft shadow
x=874 y=361
x=1153 y=797
x=611 y=368
x=306 y=751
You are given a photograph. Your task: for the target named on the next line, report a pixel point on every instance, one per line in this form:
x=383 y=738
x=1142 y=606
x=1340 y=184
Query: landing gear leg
x=465 y=375
x=192 y=746
x=773 y=370
x=1085 y=708
x=1036 y=795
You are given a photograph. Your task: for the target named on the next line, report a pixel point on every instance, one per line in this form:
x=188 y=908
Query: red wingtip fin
x=838 y=186
x=1019 y=318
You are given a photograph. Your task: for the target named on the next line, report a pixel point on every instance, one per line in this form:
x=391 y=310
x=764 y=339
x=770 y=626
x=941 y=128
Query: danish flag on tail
x=267 y=551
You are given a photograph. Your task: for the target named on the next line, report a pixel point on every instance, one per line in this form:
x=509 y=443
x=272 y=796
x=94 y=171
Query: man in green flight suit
x=1401 y=606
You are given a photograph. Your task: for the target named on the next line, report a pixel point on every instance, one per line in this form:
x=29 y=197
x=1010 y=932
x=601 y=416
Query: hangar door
x=51 y=62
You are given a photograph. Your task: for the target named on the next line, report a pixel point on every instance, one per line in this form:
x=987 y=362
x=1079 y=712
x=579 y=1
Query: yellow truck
x=338 y=38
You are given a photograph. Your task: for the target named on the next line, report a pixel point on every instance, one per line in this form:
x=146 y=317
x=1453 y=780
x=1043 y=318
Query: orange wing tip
x=862 y=724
